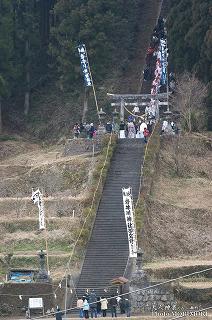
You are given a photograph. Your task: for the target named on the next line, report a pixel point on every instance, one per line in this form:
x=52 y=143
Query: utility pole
x=122 y=110
x=66 y=294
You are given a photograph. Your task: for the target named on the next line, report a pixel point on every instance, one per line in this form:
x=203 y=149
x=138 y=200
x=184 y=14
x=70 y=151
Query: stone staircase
x=107 y=251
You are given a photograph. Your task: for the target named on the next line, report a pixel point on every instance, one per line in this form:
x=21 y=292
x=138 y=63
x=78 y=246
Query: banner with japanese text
x=37 y=198
x=130 y=221
x=85 y=65
x=163 y=50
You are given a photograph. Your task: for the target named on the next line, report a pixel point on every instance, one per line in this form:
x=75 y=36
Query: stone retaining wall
x=83 y=145
x=12 y=304
x=155 y=299
x=152 y=300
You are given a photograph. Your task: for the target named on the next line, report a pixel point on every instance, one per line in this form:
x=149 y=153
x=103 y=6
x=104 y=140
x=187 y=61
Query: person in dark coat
x=122 y=306
x=113 y=306
x=108 y=127
x=93 y=304
x=127 y=307
x=98 y=307
x=91 y=131
x=58 y=314
x=122 y=128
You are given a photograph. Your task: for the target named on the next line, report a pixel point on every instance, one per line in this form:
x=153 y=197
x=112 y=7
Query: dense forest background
x=41 y=85
x=39 y=58
x=190 y=41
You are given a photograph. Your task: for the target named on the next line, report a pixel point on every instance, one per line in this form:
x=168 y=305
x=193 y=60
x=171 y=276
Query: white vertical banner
x=130 y=221
x=85 y=65
x=37 y=198
x=163 y=50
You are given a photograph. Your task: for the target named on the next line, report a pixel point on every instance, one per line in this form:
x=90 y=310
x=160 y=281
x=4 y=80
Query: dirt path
x=178 y=263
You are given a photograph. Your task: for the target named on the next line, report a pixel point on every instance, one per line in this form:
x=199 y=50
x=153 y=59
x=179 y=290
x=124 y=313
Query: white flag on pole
x=37 y=198
x=130 y=221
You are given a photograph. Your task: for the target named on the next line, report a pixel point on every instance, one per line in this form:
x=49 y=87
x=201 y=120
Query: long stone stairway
x=107 y=251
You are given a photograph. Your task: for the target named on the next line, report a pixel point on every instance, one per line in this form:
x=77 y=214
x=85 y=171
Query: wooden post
x=85 y=105
x=94 y=91
x=66 y=295
x=122 y=110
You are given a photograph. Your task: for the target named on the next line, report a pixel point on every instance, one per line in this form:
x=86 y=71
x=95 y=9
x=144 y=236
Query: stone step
x=108 y=249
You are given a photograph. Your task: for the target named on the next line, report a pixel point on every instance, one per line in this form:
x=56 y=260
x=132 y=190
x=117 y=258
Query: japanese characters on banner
x=163 y=50
x=84 y=65
x=129 y=217
x=37 y=198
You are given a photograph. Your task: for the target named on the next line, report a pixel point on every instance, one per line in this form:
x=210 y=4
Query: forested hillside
x=190 y=39
x=38 y=50
x=41 y=85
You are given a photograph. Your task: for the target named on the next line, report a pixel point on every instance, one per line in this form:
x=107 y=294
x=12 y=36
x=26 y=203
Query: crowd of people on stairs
x=92 y=306
x=135 y=129
x=140 y=125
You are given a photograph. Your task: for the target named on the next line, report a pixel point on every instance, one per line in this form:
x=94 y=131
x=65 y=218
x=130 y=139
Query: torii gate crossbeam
x=128 y=97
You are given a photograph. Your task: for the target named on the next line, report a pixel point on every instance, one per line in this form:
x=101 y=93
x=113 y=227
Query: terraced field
x=64 y=182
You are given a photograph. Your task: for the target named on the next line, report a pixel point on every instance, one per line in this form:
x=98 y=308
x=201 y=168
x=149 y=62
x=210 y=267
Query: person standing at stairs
x=86 y=309
x=127 y=307
x=91 y=131
x=80 y=307
x=113 y=306
x=146 y=135
x=98 y=307
x=58 y=314
x=104 y=304
x=122 y=130
x=93 y=304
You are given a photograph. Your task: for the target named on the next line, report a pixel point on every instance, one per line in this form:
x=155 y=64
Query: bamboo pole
x=46 y=238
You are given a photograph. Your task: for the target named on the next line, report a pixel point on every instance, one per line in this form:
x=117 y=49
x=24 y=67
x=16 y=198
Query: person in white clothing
x=165 y=125
x=104 y=304
x=142 y=127
x=136 y=110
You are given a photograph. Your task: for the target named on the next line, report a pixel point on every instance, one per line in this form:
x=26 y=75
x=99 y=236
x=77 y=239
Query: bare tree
x=190 y=102
x=175 y=156
x=6 y=261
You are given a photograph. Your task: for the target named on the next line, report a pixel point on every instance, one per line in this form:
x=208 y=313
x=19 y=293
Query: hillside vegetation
x=40 y=75
x=66 y=184
x=190 y=39
x=178 y=220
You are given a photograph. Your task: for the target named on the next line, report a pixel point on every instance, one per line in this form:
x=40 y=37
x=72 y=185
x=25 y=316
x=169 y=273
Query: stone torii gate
x=123 y=100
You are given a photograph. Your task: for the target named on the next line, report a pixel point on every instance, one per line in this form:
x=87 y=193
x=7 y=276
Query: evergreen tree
x=7 y=70
x=107 y=27
x=190 y=38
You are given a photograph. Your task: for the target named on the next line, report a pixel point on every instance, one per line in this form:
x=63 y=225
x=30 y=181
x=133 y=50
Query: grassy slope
x=63 y=180
x=68 y=184
x=179 y=221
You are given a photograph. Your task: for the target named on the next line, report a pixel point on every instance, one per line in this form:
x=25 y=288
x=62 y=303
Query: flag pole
x=46 y=240
x=37 y=198
x=45 y=235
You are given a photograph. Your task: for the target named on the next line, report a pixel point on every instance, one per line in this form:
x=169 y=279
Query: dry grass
x=178 y=223
x=196 y=285
x=190 y=193
x=178 y=263
x=64 y=182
